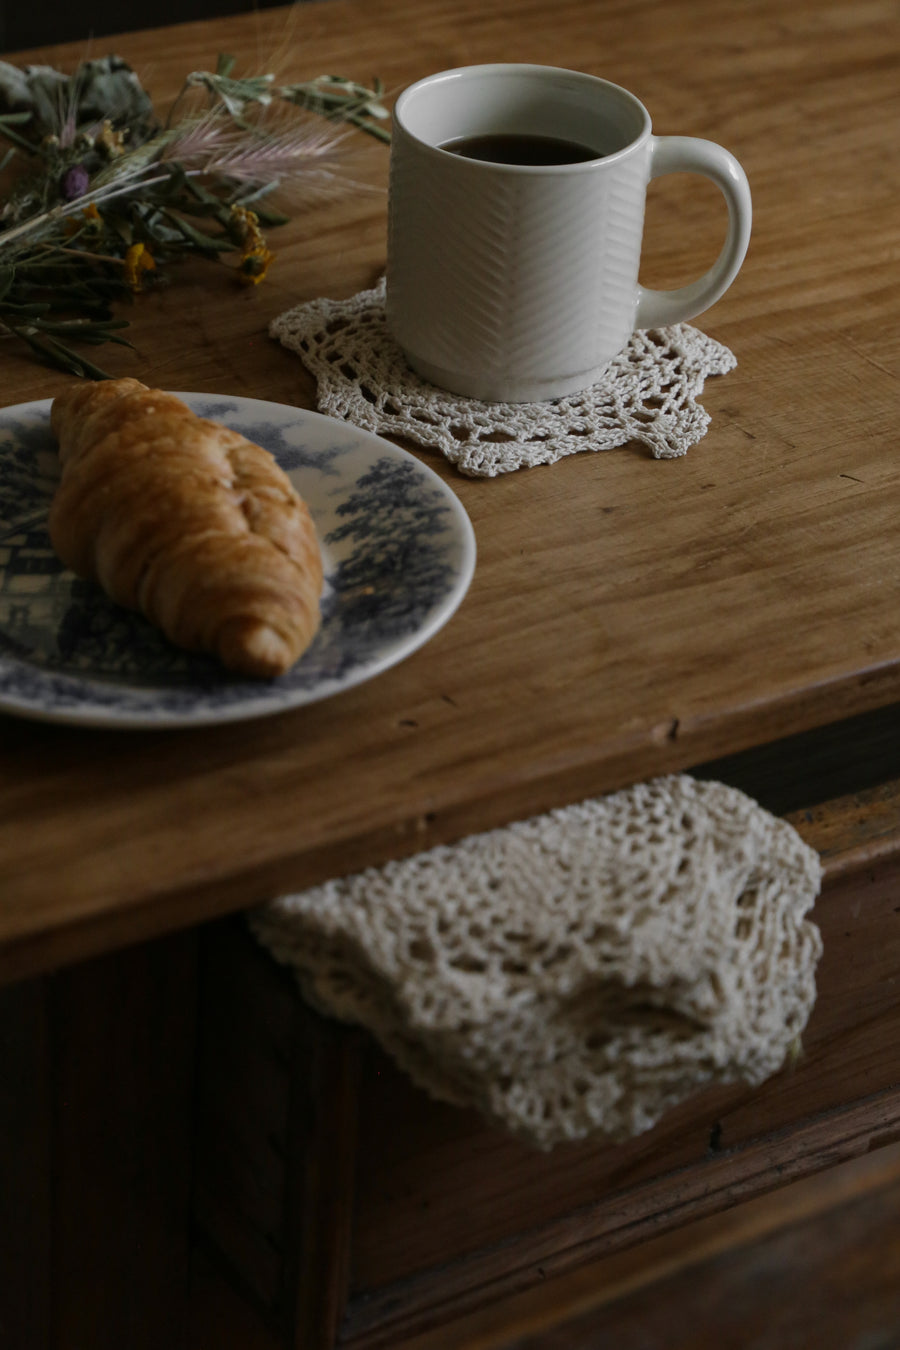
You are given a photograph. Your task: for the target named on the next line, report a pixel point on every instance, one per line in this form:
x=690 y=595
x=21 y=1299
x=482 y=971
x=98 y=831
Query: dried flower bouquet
x=100 y=197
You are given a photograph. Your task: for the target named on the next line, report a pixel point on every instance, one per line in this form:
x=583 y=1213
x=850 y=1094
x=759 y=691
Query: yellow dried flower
x=110 y=140
x=255 y=254
x=89 y=216
x=255 y=265
x=138 y=260
x=246 y=222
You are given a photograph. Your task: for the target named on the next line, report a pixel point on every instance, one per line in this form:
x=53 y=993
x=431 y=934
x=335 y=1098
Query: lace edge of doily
x=336 y=396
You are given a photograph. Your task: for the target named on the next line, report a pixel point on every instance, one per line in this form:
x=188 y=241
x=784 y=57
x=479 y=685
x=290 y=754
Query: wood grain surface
x=628 y=616
x=803 y=1227
x=826 y=1247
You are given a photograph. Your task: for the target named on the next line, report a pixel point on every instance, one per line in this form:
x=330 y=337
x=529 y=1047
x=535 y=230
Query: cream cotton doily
x=578 y=973
x=648 y=393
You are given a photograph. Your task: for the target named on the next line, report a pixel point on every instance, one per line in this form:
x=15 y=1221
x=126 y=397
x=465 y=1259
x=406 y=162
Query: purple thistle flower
x=75 y=182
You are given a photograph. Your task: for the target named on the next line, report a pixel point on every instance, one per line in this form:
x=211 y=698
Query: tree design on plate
x=399 y=566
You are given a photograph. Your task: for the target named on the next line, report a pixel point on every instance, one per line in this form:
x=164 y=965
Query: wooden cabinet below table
x=179 y=1098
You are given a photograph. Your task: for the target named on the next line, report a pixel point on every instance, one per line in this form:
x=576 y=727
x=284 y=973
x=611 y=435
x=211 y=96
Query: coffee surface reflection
x=521 y=148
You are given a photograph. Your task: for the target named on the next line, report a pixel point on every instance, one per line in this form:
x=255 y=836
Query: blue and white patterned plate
x=399 y=554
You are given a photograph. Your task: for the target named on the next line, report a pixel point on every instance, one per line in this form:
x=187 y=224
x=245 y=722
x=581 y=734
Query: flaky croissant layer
x=186 y=521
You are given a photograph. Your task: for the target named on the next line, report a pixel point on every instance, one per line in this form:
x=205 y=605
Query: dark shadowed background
x=24 y=24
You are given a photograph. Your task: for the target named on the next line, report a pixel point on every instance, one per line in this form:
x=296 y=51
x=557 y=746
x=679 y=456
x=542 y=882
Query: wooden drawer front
x=275 y=1132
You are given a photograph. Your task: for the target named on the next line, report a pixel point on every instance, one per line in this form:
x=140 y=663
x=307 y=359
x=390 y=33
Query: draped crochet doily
x=580 y=972
x=647 y=394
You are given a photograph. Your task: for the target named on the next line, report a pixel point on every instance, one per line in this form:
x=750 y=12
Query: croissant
x=186 y=521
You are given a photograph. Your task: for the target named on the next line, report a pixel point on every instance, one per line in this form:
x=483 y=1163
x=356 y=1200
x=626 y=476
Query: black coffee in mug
x=515 y=147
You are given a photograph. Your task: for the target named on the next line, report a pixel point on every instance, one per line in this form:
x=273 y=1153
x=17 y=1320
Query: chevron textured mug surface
x=518 y=282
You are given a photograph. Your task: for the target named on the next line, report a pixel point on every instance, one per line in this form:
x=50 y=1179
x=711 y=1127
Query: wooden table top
x=628 y=616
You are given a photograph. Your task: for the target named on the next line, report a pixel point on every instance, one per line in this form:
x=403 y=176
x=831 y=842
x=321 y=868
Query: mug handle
x=688 y=154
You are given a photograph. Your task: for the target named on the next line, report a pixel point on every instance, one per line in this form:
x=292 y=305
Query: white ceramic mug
x=513 y=283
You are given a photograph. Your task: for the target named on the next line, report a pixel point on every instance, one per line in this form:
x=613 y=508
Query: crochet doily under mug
x=648 y=393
